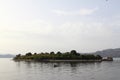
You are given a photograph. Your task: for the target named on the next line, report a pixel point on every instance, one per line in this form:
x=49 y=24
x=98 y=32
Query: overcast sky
x=58 y=25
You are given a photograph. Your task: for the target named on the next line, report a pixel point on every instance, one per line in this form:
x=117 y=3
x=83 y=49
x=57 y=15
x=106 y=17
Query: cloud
x=85 y=29
x=89 y=36
x=81 y=12
x=31 y=26
x=42 y=35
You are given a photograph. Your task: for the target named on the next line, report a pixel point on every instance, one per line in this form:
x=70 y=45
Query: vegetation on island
x=73 y=55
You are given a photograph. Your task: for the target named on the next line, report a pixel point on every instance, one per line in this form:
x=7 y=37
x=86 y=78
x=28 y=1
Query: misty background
x=58 y=25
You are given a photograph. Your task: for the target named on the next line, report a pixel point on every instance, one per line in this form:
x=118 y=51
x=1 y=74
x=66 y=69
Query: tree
x=73 y=52
x=29 y=54
x=59 y=53
x=19 y=55
x=35 y=53
x=52 y=52
x=98 y=57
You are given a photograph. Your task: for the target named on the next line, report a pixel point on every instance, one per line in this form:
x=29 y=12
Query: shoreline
x=60 y=60
x=73 y=60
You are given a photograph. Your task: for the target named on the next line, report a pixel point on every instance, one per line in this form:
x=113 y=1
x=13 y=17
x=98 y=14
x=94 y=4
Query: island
x=72 y=56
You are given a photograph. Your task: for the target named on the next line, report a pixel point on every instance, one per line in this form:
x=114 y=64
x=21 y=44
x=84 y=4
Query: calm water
x=10 y=70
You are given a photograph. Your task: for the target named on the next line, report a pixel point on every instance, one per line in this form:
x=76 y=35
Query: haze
x=58 y=25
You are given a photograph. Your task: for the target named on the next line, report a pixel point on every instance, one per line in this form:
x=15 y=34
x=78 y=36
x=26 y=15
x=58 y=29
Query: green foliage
x=73 y=55
x=29 y=54
x=52 y=53
x=17 y=56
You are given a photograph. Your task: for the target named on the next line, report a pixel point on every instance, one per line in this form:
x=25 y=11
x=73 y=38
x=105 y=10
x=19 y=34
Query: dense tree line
x=73 y=55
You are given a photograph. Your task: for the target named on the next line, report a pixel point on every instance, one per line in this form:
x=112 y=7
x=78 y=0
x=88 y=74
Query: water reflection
x=11 y=70
x=73 y=67
x=58 y=64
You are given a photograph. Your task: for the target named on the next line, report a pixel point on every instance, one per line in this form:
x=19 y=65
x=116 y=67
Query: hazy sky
x=58 y=25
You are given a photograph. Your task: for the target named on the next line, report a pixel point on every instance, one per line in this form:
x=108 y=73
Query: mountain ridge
x=6 y=56
x=109 y=52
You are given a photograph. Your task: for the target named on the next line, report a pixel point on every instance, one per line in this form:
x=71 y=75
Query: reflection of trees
x=28 y=64
x=18 y=63
x=74 y=66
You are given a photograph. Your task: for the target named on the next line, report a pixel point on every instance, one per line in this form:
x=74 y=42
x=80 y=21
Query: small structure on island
x=107 y=59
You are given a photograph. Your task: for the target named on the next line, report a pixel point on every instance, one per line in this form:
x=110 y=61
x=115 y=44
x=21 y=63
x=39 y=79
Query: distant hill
x=6 y=56
x=109 y=52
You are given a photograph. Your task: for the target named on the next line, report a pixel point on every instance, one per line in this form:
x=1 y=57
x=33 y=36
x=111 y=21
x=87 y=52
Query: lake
x=11 y=70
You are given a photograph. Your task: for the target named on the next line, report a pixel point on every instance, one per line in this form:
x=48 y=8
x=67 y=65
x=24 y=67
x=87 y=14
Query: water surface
x=11 y=70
